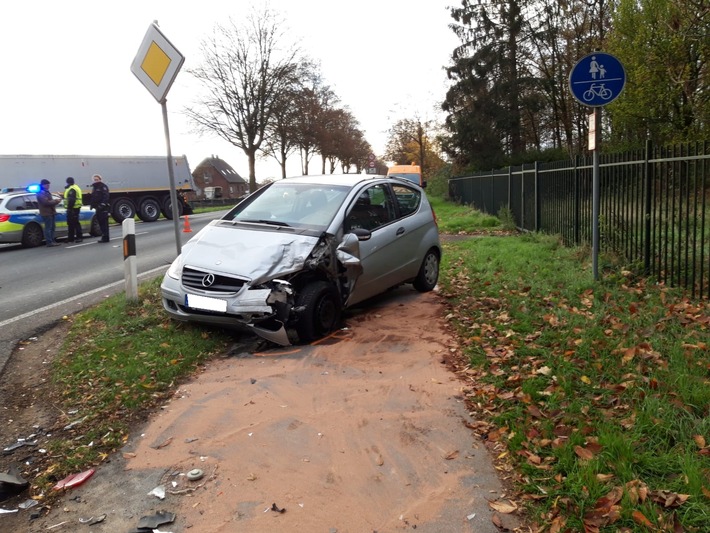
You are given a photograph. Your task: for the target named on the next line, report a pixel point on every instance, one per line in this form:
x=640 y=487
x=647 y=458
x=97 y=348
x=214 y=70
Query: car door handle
x=400 y=231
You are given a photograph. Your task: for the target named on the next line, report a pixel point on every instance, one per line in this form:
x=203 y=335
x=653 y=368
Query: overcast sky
x=67 y=87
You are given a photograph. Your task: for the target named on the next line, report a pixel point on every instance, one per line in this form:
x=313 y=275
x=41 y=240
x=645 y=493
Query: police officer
x=100 y=201
x=72 y=201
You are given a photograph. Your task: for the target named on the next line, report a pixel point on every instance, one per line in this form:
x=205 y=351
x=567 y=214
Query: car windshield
x=292 y=204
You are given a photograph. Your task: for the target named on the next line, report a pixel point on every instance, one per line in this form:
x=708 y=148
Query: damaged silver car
x=288 y=259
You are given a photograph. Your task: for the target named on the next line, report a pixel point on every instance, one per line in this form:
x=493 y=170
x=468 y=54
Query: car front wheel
x=428 y=273
x=320 y=312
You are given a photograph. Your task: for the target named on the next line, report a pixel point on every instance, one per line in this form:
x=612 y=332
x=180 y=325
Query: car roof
x=349 y=180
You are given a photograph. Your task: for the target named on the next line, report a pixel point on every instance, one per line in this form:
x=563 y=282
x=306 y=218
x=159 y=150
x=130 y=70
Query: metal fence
x=654 y=209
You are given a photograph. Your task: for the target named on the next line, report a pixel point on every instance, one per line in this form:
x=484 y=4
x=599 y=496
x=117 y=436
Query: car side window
x=408 y=199
x=372 y=209
x=16 y=204
x=20 y=203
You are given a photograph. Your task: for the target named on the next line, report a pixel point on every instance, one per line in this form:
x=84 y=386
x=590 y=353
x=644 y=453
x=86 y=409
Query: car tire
x=321 y=311
x=428 y=272
x=32 y=235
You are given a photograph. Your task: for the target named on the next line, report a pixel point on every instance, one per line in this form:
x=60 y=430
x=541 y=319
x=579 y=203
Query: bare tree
x=283 y=133
x=313 y=102
x=244 y=71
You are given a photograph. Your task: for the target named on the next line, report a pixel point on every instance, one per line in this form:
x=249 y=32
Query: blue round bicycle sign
x=597 y=79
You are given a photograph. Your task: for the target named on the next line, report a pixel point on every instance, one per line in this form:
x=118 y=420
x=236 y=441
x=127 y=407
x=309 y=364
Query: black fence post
x=647 y=184
x=522 y=196
x=577 y=202
x=537 y=198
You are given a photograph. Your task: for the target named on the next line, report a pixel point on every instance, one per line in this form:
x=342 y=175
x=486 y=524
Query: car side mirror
x=361 y=233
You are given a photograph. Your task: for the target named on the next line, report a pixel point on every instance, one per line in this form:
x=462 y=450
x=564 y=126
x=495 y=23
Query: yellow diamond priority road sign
x=157 y=63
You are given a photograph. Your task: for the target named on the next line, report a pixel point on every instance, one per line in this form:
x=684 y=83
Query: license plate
x=205 y=303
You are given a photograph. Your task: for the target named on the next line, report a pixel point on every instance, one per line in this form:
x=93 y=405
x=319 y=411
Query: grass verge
x=597 y=391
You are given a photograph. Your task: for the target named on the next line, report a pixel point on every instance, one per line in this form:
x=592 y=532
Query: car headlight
x=175 y=270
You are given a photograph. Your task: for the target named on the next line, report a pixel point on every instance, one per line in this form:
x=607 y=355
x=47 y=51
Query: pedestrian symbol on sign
x=597 y=79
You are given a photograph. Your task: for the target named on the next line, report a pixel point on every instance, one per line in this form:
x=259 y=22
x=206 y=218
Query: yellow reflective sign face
x=156 y=63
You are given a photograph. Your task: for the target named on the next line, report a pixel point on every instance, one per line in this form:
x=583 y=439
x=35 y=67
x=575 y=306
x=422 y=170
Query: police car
x=21 y=222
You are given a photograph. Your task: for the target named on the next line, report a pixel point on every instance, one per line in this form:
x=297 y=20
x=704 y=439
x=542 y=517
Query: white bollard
x=129 y=258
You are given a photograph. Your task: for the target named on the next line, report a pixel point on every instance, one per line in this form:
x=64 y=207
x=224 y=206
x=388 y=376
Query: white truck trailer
x=139 y=185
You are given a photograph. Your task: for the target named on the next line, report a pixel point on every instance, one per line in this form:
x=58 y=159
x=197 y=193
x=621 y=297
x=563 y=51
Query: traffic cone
x=186 y=228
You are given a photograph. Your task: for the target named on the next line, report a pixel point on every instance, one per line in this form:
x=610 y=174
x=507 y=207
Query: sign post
x=596 y=80
x=372 y=164
x=156 y=66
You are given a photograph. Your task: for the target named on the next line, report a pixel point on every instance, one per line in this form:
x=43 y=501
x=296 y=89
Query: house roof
x=221 y=166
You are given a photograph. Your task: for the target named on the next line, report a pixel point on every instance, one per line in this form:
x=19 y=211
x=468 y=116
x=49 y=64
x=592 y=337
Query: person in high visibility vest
x=72 y=202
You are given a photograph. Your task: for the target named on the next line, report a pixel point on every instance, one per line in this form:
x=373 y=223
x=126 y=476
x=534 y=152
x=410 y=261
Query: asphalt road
x=40 y=285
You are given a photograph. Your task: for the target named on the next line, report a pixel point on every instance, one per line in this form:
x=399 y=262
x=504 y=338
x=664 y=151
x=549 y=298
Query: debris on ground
x=74 y=480
x=158 y=492
x=92 y=520
x=153 y=521
x=11 y=484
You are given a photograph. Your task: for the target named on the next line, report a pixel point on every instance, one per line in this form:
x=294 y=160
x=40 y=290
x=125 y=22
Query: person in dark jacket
x=72 y=201
x=100 y=201
x=48 y=211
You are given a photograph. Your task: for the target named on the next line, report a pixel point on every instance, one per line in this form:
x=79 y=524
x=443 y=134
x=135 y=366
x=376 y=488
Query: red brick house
x=215 y=178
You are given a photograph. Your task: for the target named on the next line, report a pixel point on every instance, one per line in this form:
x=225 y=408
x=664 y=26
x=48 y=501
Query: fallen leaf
x=583 y=453
x=503 y=507
x=639 y=518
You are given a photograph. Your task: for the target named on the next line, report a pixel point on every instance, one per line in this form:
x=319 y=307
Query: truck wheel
x=167 y=208
x=321 y=310
x=123 y=208
x=149 y=210
x=32 y=235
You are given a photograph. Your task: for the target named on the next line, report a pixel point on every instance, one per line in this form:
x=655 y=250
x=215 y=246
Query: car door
x=386 y=254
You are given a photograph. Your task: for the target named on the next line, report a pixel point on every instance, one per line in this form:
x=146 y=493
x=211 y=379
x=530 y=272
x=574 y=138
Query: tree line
x=263 y=96
x=509 y=101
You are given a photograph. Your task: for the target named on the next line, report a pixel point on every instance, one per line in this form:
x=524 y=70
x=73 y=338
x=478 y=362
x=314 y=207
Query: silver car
x=290 y=257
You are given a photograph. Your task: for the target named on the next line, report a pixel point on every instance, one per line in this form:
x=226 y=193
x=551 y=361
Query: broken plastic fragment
x=74 y=480
x=11 y=484
x=19 y=443
x=276 y=509
x=159 y=492
x=28 y=504
x=151 y=522
x=75 y=423
x=93 y=520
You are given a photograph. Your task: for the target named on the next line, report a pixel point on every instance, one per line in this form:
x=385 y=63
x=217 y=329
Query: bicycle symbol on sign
x=596 y=89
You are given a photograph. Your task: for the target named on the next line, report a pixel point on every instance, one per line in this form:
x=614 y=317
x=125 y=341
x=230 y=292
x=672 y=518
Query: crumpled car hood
x=255 y=255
